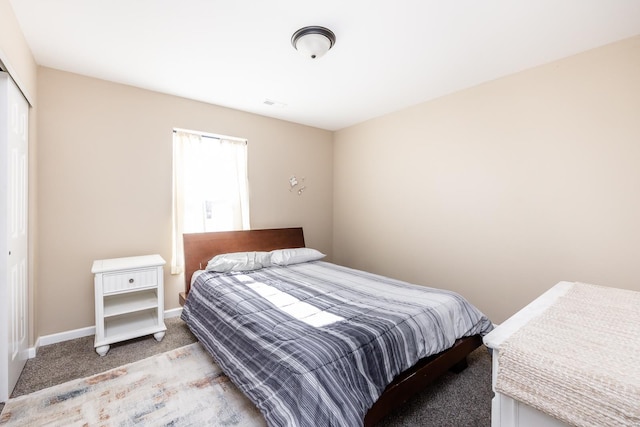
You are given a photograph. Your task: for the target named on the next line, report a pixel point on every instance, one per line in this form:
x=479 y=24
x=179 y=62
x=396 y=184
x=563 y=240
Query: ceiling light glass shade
x=313 y=42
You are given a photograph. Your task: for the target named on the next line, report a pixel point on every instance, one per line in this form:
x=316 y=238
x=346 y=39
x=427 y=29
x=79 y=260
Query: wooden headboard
x=199 y=248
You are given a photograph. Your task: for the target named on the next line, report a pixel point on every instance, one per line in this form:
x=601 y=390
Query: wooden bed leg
x=460 y=366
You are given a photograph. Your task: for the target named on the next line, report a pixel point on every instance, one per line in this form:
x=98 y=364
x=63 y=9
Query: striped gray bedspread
x=316 y=344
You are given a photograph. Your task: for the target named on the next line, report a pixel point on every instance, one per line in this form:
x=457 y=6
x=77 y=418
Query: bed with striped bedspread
x=317 y=343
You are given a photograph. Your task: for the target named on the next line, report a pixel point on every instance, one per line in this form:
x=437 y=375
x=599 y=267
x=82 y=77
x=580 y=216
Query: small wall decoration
x=297 y=186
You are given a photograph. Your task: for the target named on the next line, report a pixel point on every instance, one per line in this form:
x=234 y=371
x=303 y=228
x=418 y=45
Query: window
x=210 y=187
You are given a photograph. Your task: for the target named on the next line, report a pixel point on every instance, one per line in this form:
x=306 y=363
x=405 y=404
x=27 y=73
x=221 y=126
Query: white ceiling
x=388 y=54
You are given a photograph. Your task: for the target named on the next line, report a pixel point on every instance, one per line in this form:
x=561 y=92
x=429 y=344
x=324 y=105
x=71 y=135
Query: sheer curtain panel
x=210 y=187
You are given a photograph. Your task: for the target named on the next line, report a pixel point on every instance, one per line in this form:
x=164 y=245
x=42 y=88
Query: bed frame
x=199 y=248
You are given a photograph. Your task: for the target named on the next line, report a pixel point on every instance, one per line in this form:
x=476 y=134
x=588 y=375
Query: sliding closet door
x=14 y=112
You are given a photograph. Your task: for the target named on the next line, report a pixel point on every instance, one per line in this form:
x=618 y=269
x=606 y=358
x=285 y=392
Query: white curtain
x=210 y=188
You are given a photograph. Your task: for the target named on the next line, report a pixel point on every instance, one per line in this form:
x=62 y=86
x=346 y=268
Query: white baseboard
x=79 y=333
x=65 y=336
x=174 y=312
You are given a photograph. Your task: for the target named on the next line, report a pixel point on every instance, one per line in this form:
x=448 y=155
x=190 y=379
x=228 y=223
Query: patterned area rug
x=182 y=387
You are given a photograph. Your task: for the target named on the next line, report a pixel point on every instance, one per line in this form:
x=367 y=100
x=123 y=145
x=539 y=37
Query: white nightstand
x=129 y=296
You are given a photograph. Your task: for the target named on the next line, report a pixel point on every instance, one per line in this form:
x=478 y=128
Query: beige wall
x=500 y=191
x=17 y=58
x=14 y=51
x=105 y=182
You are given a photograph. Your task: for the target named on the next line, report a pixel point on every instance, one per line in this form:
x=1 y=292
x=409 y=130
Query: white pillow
x=239 y=261
x=295 y=256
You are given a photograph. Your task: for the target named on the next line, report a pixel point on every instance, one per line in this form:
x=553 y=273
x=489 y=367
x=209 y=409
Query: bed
x=570 y=357
x=506 y=411
x=363 y=385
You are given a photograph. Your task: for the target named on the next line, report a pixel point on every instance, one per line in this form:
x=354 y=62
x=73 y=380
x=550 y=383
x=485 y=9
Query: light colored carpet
x=181 y=387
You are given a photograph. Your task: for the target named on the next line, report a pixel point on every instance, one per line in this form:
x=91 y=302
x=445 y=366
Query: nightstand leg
x=102 y=350
x=158 y=336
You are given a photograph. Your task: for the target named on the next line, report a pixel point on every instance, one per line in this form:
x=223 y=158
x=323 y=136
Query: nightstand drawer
x=128 y=280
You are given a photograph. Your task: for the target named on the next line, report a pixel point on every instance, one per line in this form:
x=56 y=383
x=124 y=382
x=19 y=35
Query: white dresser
x=129 y=297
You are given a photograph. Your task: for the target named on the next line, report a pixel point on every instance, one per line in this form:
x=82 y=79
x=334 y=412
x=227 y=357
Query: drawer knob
x=131 y=280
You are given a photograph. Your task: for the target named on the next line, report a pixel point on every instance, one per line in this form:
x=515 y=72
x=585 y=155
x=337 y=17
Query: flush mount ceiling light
x=314 y=41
